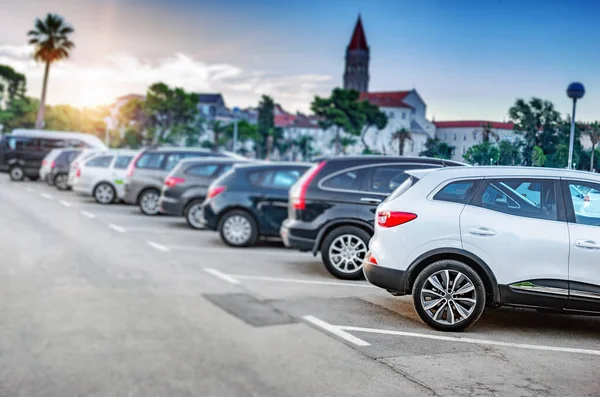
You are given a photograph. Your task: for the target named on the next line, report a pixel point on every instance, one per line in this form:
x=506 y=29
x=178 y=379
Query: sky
x=467 y=59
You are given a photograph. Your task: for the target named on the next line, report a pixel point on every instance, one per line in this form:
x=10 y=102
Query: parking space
x=531 y=353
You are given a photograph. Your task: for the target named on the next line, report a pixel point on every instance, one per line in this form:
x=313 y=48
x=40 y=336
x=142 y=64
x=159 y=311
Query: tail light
x=44 y=162
x=394 y=218
x=52 y=164
x=586 y=198
x=172 y=181
x=371 y=259
x=78 y=172
x=131 y=167
x=299 y=202
x=215 y=191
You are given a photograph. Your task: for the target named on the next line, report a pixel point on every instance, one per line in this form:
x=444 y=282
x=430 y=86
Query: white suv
x=462 y=238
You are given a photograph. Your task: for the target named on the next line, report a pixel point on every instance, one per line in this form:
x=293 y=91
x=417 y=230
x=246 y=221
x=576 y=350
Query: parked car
x=83 y=155
x=22 y=151
x=186 y=187
x=59 y=168
x=103 y=175
x=47 y=164
x=250 y=201
x=465 y=238
x=146 y=174
x=332 y=207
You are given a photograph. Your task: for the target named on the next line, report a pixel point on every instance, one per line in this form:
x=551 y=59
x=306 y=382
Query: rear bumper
x=384 y=277
x=291 y=240
x=208 y=217
x=170 y=206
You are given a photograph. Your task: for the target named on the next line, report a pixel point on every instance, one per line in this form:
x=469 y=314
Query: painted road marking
x=470 y=340
x=157 y=246
x=46 y=196
x=65 y=203
x=116 y=228
x=30 y=190
x=299 y=281
x=222 y=276
x=88 y=214
x=228 y=250
x=335 y=330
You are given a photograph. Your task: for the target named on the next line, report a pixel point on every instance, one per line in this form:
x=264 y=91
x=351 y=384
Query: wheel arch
x=238 y=208
x=144 y=190
x=332 y=225
x=101 y=182
x=472 y=260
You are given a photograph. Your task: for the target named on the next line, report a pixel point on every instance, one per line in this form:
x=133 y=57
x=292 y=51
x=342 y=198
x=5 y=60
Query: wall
x=462 y=138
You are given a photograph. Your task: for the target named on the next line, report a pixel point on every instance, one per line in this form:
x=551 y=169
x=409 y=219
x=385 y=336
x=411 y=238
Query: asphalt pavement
x=104 y=301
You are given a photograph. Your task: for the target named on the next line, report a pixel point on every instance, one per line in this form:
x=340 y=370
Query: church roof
x=473 y=124
x=359 y=40
x=389 y=99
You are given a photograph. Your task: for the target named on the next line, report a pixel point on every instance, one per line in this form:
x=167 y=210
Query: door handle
x=370 y=200
x=587 y=244
x=482 y=231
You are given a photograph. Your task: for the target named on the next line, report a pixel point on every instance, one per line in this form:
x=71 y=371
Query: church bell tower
x=356 y=72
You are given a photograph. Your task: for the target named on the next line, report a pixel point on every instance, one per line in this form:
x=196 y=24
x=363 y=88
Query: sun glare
x=93 y=95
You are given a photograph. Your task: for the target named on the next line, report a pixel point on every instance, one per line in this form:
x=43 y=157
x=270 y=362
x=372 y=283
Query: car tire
x=437 y=282
x=16 y=173
x=190 y=213
x=238 y=228
x=104 y=193
x=343 y=251
x=61 y=181
x=148 y=202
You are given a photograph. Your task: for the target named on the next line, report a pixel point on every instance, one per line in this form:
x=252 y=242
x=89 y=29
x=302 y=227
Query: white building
x=463 y=134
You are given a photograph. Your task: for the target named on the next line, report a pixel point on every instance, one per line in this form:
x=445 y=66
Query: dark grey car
x=147 y=172
x=59 y=169
x=185 y=188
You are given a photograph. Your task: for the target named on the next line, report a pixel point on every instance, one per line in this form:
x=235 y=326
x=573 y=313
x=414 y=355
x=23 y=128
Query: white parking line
x=88 y=214
x=46 y=196
x=116 y=228
x=222 y=276
x=65 y=203
x=30 y=190
x=470 y=340
x=335 y=330
x=276 y=252
x=157 y=246
x=300 y=281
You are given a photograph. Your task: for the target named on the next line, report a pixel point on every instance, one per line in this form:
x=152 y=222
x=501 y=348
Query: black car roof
x=374 y=158
x=269 y=164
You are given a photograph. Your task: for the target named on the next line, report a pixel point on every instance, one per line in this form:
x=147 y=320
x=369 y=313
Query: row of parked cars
x=457 y=238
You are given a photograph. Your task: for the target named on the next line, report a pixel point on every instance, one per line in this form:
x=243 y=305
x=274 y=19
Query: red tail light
x=78 y=172
x=44 y=162
x=586 y=198
x=172 y=181
x=299 y=202
x=393 y=218
x=131 y=167
x=52 y=164
x=215 y=191
x=371 y=259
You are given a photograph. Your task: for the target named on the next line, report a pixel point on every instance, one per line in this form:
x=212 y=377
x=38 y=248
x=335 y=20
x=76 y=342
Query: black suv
x=332 y=207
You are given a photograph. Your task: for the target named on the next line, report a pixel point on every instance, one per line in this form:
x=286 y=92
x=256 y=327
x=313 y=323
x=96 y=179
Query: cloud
x=114 y=75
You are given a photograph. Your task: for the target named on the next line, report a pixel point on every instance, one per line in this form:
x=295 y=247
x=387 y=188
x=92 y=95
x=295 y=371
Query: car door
x=525 y=243
x=584 y=259
x=96 y=169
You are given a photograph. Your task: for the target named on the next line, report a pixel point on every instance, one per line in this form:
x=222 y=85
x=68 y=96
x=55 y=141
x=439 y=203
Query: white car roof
x=89 y=139
x=499 y=171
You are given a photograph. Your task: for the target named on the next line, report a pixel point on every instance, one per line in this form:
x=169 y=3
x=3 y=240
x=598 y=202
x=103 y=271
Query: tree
x=487 y=132
x=51 y=40
x=345 y=142
x=509 y=153
x=218 y=129
x=266 y=124
x=402 y=135
x=133 y=120
x=437 y=149
x=538 y=122
x=15 y=86
x=20 y=113
x=593 y=132
x=484 y=153
x=371 y=117
x=538 y=158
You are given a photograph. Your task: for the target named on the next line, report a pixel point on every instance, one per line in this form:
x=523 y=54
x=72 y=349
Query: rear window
x=403 y=188
x=151 y=161
x=457 y=192
x=100 y=162
x=202 y=170
x=275 y=179
x=122 y=162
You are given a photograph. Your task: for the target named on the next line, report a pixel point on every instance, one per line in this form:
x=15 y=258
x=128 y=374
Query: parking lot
x=102 y=300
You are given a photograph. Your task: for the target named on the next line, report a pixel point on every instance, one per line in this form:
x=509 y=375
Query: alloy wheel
x=104 y=194
x=237 y=229
x=149 y=203
x=448 y=297
x=347 y=253
x=61 y=181
x=193 y=216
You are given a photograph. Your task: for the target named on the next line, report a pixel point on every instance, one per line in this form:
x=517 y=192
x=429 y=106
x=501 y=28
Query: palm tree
x=593 y=131
x=402 y=135
x=51 y=40
x=487 y=132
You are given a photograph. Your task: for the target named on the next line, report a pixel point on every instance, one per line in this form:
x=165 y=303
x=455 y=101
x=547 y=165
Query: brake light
x=44 y=162
x=394 y=218
x=299 y=202
x=172 y=181
x=215 y=191
x=586 y=198
x=131 y=166
x=52 y=164
x=371 y=259
x=78 y=172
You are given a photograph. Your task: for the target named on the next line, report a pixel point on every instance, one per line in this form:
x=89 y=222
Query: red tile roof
x=473 y=124
x=390 y=99
x=359 y=40
x=284 y=120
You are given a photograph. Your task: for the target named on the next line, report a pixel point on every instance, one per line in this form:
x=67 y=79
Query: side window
x=205 y=170
x=122 y=162
x=28 y=144
x=53 y=143
x=585 y=198
x=100 y=162
x=385 y=179
x=509 y=196
x=348 y=180
x=173 y=159
x=71 y=156
x=458 y=192
x=11 y=143
x=151 y=161
x=225 y=168
x=284 y=179
x=257 y=177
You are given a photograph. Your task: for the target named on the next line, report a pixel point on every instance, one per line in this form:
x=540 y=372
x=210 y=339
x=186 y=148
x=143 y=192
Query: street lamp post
x=575 y=91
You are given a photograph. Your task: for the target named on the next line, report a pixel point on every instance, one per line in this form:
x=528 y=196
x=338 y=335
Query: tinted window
x=457 y=192
x=151 y=161
x=67 y=156
x=174 y=158
x=585 y=205
x=283 y=179
x=346 y=180
x=28 y=144
x=507 y=196
x=122 y=162
x=385 y=179
x=100 y=161
x=202 y=169
x=53 y=143
x=225 y=168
